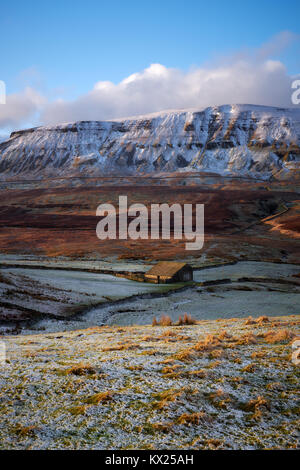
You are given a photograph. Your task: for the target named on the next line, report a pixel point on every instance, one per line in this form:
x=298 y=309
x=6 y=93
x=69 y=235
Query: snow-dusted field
x=227 y=384
x=29 y=295
x=56 y=300
x=248 y=269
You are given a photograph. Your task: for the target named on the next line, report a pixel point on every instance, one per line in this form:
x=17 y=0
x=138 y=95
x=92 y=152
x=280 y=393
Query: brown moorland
x=62 y=222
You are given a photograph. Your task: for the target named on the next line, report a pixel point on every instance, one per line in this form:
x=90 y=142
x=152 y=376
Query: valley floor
x=50 y=300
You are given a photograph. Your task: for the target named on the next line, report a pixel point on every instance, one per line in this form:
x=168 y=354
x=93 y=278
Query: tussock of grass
x=215 y=345
x=213 y=443
x=24 y=431
x=216 y=354
x=121 y=347
x=186 y=320
x=209 y=343
x=164 y=398
x=237 y=380
x=258 y=354
x=261 y=320
x=274 y=386
x=77 y=410
x=162 y=427
x=257 y=406
x=278 y=336
x=224 y=336
x=148 y=338
x=186 y=355
x=82 y=369
x=220 y=399
x=168 y=333
x=257 y=321
x=246 y=339
x=249 y=368
x=168 y=369
x=101 y=397
x=198 y=373
x=150 y=352
x=165 y=320
x=214 y=364
x=137 y=367
x=193 y=418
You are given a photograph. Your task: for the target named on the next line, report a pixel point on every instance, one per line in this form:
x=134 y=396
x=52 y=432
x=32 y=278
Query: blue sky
x=62 y=48
x=72 y=44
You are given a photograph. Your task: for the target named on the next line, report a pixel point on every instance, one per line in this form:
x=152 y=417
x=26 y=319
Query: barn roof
x=166 y=268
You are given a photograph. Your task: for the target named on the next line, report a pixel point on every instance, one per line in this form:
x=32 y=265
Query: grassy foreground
x=223 y=384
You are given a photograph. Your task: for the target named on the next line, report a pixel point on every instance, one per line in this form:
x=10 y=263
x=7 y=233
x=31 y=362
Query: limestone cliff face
x=236 y=140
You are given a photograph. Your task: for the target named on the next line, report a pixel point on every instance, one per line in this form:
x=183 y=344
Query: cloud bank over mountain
x=157 y=88
x=253 y=79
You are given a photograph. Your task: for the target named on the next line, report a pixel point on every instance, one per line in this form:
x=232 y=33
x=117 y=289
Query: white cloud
x=276 y=45
x=252 y=78
x=157 y=88
x=21 y=107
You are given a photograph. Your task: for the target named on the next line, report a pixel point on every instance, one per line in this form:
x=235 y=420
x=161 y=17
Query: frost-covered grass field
x=217 y=384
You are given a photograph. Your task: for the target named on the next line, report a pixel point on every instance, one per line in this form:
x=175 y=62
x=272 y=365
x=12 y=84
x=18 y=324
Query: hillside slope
x=237 y=140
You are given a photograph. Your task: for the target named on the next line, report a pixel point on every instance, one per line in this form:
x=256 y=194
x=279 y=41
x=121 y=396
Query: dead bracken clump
x=216 y=346
x=78 y=410
x=256 y=406
x=278 y=336
x=261 y=320
x=121 y=347
x=170 y=371
x=213 y=443
x=165 y=320
x=224 y=336
x=257 y=321
x=201 y=373
x=168 y=333
x=274 y=386
x=185 y=356
x=100 y=397
x=82 y=369
x=24 y=431
x=193 y=418
x=164 y=398
x=162 y=427
x=258 y=354
x=220 y=399
x=210 y=342
x=246 y=339
x=249 y=368
x=186 y=320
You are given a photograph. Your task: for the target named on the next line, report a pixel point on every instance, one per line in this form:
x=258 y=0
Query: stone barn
x=169 y=271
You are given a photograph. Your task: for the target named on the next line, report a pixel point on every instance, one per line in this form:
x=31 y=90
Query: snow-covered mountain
x=247 y=140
